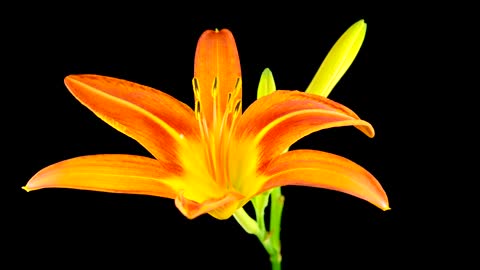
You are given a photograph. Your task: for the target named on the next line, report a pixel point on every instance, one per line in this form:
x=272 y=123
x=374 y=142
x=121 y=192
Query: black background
x=155 y=45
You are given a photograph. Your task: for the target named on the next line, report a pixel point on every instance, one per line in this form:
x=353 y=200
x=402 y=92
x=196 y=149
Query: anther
x=215 y=87
x=196 y=88
x=197 y=109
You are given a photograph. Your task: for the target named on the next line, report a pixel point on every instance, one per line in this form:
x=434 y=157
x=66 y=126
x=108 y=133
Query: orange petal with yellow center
x=111 y=173
x=273 y=123
x=154 y=119
x=216 y=58
x=324 y=170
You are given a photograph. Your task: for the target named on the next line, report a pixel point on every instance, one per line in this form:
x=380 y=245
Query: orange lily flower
x=215 y=158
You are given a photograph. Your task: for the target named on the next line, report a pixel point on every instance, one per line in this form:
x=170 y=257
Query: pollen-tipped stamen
x=203 y=126
x=232 y=110
x=216 y=108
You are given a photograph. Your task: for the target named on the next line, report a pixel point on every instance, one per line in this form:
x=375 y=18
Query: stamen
x=238 y=85
x=233 y=104
x=197 y=109
x=216 y=107
x=211 y=150
x=204 y=127
x=217 y=146
x=223 y=145
x=215 y=87
x=196 y=93
x=196 y=87
x=202 y=124
x=225 y=116
x=229 y=97
x=207 y=141
x=238 y=109
x=217 y=134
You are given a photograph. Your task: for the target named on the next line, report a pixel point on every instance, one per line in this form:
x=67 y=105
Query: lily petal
x=324 y=170
x=273 y=123
x=111 y=173
x=154 y=119
x=217 y=73
x=338 y=60
x=221 y=208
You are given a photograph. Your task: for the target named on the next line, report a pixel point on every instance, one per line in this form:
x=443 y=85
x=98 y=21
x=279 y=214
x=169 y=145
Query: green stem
x=270 y=240
x=276 y=209
x=247 y=223
x=276 y=265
